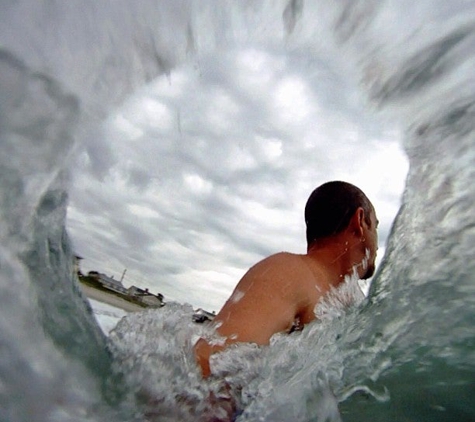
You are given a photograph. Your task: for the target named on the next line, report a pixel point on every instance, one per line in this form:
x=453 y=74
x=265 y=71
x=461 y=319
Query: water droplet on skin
x=237 y=296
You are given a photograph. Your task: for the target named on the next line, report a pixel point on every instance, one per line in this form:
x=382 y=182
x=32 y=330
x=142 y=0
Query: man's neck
x=337 y=257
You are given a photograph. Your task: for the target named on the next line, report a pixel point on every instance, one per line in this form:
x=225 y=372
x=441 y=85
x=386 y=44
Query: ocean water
x=107 y=316
x=406 y=353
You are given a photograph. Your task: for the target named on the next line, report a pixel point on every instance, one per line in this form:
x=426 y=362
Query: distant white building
x=109 y=282
x=200 y=315
x=145 y=296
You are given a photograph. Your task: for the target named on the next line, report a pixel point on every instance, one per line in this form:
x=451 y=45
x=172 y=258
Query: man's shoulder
x=282 y=258
x=280 y=263
x=292 y=267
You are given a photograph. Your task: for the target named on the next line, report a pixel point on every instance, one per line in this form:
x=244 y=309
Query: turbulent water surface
x=406 y=353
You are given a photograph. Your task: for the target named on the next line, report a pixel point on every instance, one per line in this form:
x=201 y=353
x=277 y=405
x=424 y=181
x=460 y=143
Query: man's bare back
x=282 y=291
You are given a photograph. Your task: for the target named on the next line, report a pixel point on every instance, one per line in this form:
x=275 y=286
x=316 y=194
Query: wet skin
x=284 y=289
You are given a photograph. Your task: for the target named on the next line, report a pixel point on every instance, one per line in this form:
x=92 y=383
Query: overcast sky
x=207 y=170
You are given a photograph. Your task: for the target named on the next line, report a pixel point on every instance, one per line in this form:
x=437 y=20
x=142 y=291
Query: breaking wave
x=406 y=352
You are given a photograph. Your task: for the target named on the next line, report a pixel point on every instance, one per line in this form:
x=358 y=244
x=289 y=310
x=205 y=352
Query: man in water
x=279 y=294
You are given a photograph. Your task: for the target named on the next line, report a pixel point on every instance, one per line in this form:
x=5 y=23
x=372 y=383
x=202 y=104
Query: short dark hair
x=330 y=208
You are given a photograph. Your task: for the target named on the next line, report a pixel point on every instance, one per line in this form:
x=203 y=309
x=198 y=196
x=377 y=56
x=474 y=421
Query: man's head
x=330 y=209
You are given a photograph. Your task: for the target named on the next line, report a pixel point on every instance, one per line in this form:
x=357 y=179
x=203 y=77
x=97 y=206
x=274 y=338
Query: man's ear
x=356 y=222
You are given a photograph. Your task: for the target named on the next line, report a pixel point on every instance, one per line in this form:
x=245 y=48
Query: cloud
x=207 y=170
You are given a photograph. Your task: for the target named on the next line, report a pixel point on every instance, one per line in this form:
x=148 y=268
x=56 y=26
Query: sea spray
x=154 y=350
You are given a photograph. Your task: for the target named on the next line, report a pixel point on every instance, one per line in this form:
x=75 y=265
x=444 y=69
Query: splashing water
x=406 y=353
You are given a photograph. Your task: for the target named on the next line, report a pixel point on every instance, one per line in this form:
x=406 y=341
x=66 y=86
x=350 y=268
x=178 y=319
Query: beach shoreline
x=110 y=299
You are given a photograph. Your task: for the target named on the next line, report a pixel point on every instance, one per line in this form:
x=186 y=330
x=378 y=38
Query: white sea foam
x=106 y=315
